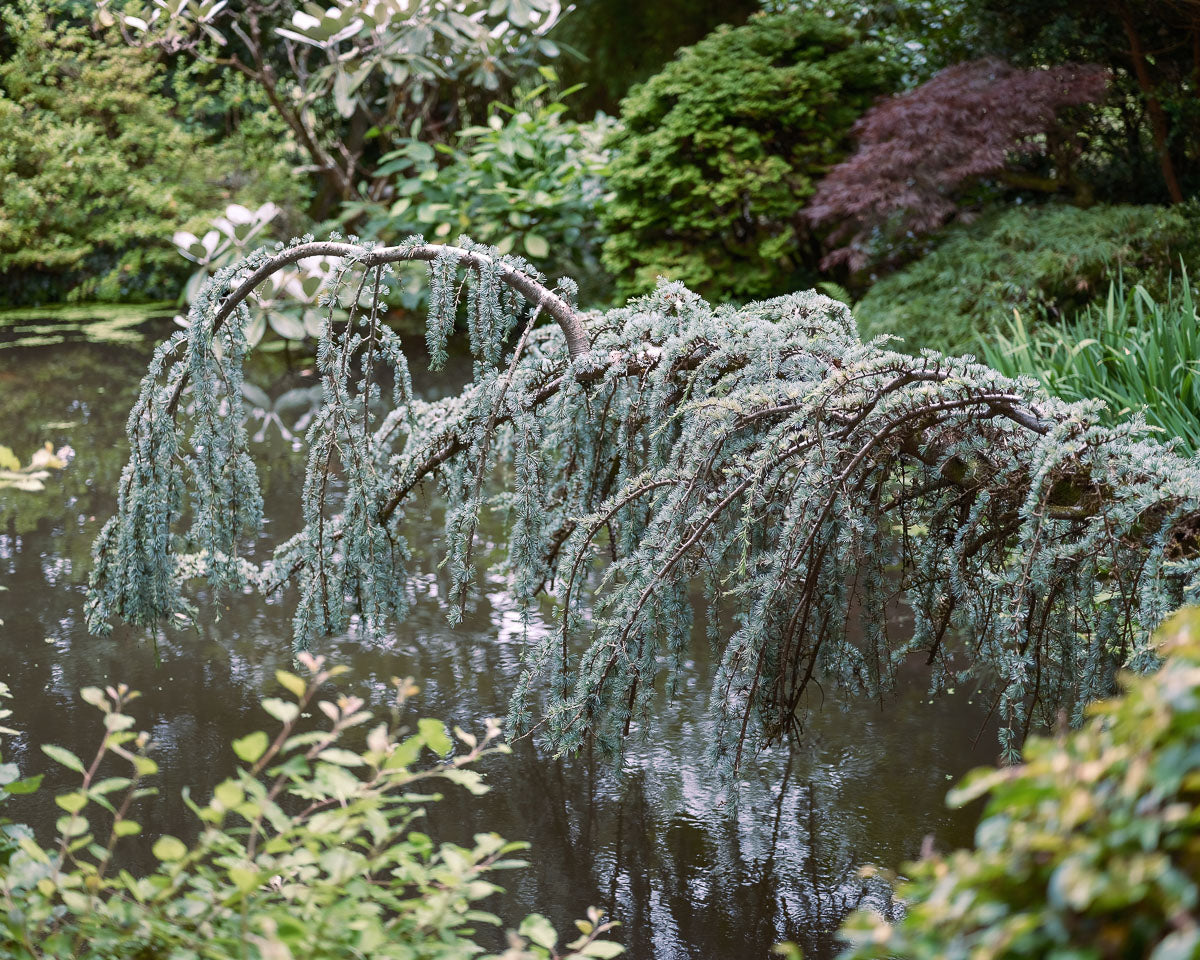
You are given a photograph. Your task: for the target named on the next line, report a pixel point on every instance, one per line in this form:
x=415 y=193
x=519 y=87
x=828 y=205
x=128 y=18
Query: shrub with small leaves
x=310 y=850
x=1045 y=261
x=720 y=151
x=529 y=181
x=97 y=165
x=1089 y=850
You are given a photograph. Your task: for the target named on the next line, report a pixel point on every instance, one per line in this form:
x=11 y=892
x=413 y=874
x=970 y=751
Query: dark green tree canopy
x=721 y=149
x=1153 y=49
x=757 y=475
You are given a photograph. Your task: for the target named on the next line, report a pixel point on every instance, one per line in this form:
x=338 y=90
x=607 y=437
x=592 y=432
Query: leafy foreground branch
x=1091 y=849
x=758 y=474
x=310 y=850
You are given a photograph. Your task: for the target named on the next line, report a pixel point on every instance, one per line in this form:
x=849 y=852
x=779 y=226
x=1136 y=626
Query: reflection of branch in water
x=686 y=888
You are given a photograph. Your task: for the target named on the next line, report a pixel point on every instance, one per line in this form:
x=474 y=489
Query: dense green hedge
x=1089 y=850
x=721 y=149
x=1045 y=261
x=97 y=170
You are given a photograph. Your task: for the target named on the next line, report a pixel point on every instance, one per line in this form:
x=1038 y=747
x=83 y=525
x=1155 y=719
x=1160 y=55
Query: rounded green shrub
x=719 y=152
x=1047 y=262
x=1088 y=850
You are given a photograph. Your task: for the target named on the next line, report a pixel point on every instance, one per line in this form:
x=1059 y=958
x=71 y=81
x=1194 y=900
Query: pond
x=687 y=874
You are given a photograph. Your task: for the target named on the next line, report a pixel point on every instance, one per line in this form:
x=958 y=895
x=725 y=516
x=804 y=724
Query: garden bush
x=1089 y=850
x=720 y=151
x=96 y=168
x=528 y=181
x=1135 y=352
x=1046 y=262
x=924 y=152
x=312 y=849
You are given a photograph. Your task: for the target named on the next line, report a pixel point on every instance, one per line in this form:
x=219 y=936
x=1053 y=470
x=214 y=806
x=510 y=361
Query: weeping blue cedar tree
x=757 y=474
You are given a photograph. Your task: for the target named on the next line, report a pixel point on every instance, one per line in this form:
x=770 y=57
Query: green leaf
x=603 y=949
x=539 y=930
x=109 y=784
x=343 y=758
x=290 y=682
x=405 y=754
x=64 y=756
x=536 y=246
x=229 y=794
x=28 y=785
x=286 y=325
x=72 y=825
x=168 y=848
x=8 y=460
x=118 y=721
x=281 y=710
x=244 y=878
x=252 y=746
x=72 y=802
x=343 y=99
x=96 y=697
x=127 y=828
x=433 y=732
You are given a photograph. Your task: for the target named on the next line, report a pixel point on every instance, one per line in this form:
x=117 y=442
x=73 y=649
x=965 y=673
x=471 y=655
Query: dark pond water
x=654 y=845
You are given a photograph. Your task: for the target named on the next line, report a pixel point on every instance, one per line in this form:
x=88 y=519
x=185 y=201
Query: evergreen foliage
x=721 y=150
x=1048 y=262
x=759 y=475
x=1089 y=850
x=1148 y=149
x=624 y=42
x=94 y=165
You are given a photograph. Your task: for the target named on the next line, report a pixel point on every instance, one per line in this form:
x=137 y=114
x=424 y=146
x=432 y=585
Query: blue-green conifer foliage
x=754 y=477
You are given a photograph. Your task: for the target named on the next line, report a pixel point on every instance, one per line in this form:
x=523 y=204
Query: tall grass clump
x=1134 y=351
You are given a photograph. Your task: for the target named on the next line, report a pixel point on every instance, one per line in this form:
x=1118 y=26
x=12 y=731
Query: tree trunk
x=1158 y=117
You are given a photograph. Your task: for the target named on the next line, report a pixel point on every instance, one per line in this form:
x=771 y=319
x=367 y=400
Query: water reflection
x=687 y=875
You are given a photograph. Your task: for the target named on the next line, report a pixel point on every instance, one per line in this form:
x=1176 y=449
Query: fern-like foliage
x=758 y=476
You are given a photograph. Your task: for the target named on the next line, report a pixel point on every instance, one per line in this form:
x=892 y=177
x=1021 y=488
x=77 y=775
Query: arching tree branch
x=801 y=479
x=533 y=291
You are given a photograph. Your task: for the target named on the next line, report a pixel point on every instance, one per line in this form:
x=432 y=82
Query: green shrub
x=1089 y=850
x=1135 y=352
x=721 y=149
x=1046 y=262
x=310 y=850
x=529 y=182
x=96 y=171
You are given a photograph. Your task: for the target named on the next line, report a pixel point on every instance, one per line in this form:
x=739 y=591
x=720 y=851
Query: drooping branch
x=756 y=474
x=533 y=291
